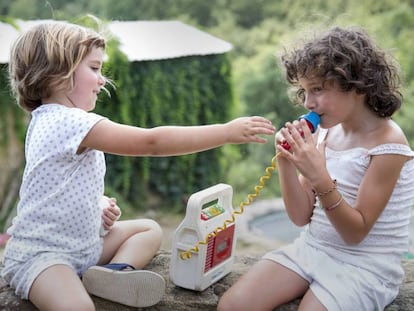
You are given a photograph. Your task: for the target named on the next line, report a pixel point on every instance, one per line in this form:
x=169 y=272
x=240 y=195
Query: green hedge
x=183 y=91
x=12 y=127
x=11 y=116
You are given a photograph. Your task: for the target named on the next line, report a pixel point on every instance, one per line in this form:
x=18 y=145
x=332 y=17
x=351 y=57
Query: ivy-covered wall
x=11 y=116
x=12 y=131
x=183 y=91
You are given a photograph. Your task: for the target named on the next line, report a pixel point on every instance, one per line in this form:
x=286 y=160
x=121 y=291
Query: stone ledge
x=185 y=300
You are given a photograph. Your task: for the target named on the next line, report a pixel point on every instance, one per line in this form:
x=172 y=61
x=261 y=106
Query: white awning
x=154 y=40
x=8 y=34
x=140 y=40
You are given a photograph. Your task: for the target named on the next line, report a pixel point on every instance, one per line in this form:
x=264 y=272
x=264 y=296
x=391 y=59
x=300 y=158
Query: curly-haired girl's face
x=329 y=101
x=88 y=81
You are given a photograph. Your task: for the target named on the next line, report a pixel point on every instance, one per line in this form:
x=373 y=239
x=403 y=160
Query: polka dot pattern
x=60 y=193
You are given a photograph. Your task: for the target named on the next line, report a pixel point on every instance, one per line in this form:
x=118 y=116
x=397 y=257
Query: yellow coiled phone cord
x=250 y=197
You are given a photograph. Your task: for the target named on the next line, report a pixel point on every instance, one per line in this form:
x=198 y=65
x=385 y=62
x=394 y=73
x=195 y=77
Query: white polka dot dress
x=59 y=208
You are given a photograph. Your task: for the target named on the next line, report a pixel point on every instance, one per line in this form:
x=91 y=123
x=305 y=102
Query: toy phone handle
x=221 y=192
x=312 y=119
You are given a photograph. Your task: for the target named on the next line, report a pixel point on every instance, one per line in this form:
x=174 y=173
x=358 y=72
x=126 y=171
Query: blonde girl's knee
x=155 y=227
x=157 y=231
x=151 y=229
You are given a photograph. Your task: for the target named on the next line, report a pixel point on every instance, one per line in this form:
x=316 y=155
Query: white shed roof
x=152 y=40
x=7 y=36
x=141 y=40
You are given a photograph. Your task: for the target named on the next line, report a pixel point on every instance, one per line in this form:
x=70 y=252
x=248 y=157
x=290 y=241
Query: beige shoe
x=135 y=288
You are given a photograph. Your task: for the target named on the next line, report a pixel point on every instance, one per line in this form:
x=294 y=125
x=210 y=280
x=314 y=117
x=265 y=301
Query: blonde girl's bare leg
x=60 y=288
x=265 y=286
x=132 y=241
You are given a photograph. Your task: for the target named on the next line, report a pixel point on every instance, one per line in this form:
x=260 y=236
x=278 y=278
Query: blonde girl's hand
x=110 y=214
x=246 y=130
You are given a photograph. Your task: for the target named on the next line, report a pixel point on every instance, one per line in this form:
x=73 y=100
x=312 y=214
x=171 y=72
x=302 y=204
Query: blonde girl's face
x=88 y=81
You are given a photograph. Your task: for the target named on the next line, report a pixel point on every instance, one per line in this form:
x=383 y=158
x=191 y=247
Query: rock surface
x=178 y=299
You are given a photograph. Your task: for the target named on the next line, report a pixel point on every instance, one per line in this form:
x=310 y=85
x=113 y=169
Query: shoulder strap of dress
x=391 y=148
x=321 y=136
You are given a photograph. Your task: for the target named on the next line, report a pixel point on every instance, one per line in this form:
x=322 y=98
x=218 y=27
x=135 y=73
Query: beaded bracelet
x=335 y=205
x=321 y=194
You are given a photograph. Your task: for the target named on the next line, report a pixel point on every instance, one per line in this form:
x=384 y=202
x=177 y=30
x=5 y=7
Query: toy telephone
x=203 y=244
x=206 y=210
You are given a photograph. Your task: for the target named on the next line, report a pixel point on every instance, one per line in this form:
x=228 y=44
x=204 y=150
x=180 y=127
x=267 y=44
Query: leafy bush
x=183 y=91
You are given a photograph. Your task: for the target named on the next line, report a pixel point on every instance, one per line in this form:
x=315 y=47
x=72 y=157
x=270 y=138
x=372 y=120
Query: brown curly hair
x=44 y=58
x=351 y=58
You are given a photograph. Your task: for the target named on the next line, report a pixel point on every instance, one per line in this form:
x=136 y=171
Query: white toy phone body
x=206 y=211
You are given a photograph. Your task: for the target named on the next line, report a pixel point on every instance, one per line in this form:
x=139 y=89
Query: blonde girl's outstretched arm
x=115 y=138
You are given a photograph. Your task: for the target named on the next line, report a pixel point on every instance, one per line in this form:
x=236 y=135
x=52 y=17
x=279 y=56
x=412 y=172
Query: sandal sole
x=136 y=288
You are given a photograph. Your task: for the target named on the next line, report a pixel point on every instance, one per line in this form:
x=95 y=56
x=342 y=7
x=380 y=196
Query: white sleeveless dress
x=366 y=276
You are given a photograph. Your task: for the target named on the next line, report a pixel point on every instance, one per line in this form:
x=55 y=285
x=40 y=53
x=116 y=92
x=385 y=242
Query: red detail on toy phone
x=219 y=248
x=312 y=120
